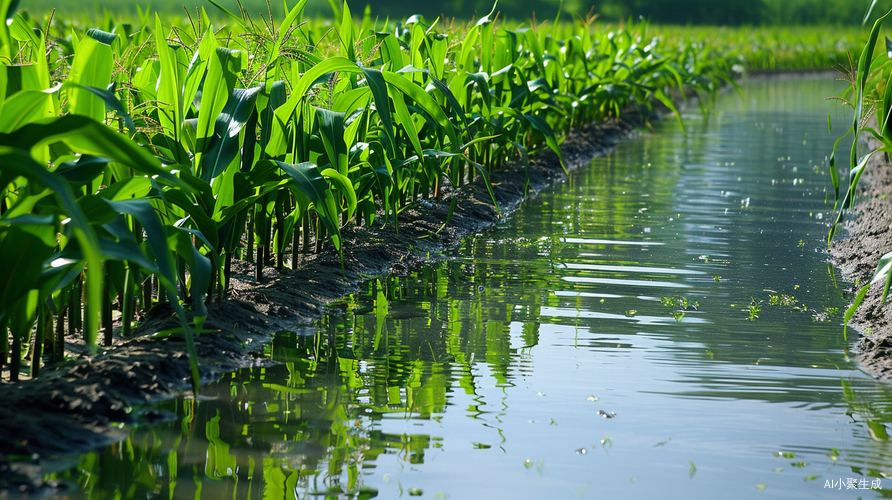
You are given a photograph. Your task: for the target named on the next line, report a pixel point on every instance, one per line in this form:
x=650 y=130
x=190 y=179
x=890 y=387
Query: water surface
x=662 y=324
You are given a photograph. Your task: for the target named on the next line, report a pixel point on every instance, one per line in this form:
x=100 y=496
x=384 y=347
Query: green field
x=730 y=12
x=142 y=154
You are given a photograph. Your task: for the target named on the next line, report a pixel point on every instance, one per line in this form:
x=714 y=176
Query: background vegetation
x=726 y=12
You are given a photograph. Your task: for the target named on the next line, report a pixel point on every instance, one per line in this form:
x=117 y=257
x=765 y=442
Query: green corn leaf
x=834 y=172
x=197 y=70
x=854 y=307
x=91 y=67
x=219 y=82
x=125 y=250
x=391 y=54
x=663 y=98
x=283 y=113
x=863 y=72
x=7 y=11
x=170 y=81
x=310 y=182
x=24 y=314
x=96 y=209
x=198 y=215
x=331 y=129
x=445 y=91
x=345 y=34
x=143 y=211
x=883 y=273
x=425 y=102
x=103 y=37
x=382 y=104
x=88 y=137
x=478 y=140
x=867 y=13
x=834 y=176
x=200 y=265
x=886 y=111
x=550 y=138
x=848 y=200
x=224 y=146
x=854 y=177
x=404 y=118
x=19 y=30
x=86 y=169
x=26 y=106
x=343 y=185
x=4 y=84
x=129 y=188
x=31 y=220
x=482 y=82
x=25 y=250
x=277 y=97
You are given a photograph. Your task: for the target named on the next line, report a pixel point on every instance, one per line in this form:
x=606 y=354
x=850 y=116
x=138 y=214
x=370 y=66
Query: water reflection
x=666 y=311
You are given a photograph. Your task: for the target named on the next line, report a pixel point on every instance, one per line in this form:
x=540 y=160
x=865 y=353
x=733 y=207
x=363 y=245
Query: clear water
x=489 y=375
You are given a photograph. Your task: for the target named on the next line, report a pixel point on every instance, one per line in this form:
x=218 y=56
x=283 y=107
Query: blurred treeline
x=712 y=12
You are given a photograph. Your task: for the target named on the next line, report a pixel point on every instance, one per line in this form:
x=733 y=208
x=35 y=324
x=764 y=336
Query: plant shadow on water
x=602 y=335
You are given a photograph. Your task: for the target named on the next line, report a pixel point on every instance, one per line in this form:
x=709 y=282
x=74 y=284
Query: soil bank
x=867 y=237
x=71 y=409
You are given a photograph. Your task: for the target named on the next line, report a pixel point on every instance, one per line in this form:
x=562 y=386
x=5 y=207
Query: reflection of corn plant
x=865 y=410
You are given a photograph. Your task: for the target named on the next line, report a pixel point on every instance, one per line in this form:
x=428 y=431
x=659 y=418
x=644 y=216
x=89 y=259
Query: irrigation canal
x=662 y=325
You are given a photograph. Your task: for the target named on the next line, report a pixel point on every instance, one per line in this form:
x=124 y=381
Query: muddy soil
x=867 y=237
x=73 y=408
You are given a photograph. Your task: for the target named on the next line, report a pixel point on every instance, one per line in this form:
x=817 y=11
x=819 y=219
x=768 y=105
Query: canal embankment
x=867 y=238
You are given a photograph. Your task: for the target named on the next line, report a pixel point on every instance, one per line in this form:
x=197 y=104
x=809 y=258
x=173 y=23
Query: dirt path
x=70 y=409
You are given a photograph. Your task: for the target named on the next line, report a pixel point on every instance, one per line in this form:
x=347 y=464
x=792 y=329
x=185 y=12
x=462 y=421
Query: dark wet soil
x=868 y=237
x=75 y=407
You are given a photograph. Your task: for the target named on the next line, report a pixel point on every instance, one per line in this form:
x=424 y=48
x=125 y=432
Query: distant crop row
x=137 y=160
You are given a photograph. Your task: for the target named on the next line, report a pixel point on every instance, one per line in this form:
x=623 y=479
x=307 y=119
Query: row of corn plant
x=140 y=159
x=788 y=48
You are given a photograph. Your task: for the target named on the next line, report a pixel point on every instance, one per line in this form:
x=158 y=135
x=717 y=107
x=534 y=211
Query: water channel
x=664 y=324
